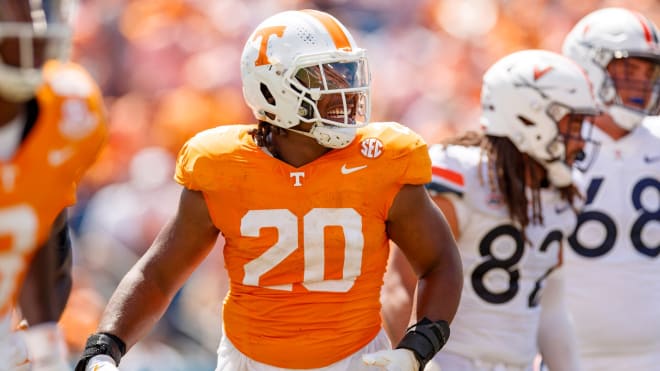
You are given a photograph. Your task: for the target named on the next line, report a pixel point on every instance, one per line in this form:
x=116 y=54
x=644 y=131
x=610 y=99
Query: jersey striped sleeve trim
x=446 y=181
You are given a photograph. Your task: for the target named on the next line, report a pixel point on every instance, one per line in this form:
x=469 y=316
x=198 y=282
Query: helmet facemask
x=633 y=84
x=333 y=95
x=573 y=132
x=31 y=34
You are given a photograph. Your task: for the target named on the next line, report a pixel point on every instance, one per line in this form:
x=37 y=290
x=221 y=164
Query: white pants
x=13 y=351
x=453 y=362
x=231 y=359
x=616 y=362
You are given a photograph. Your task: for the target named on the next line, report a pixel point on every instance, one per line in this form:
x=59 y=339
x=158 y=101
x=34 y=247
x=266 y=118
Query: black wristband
x=102 y=343
x=425 y=339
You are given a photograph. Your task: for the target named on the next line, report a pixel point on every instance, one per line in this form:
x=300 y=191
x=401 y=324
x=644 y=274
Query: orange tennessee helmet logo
x=334 y=30
x=265 y=34
x=538 y=73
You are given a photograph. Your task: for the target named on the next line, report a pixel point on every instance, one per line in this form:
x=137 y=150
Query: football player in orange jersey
x=51 y=129
x=307 y=201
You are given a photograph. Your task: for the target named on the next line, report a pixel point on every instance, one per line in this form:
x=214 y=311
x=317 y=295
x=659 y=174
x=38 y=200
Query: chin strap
x=425 y=339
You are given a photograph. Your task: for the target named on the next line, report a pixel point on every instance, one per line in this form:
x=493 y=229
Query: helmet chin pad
x=624 y=117
x=332 y=136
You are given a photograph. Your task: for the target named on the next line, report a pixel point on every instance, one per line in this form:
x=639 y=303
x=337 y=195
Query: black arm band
x=102 y=343
x=425 y=339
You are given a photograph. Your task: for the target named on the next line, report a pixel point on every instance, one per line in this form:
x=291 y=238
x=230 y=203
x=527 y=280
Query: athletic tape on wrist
x=105 y=343
x=425 y=339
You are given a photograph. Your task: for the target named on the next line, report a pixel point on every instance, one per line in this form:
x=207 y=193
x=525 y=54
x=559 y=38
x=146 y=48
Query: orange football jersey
x=306 y=248
x=40 y=179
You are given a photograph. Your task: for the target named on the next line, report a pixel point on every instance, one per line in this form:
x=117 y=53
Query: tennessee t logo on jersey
x=297 y=175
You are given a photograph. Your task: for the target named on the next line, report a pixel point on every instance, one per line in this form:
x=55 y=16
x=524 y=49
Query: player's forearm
x=439 y=291
x=146 y=291
x=557 y=343
x=135 y=307
x=47 y=285
x=438 y=295
x=396 y=310
x=556 y=336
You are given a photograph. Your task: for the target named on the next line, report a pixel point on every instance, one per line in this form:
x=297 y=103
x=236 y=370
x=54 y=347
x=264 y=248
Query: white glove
x=392 y=360
x=46 y=347
x=101 y=362
x=13 y=353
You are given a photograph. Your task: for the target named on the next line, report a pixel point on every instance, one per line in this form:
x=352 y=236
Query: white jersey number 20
x=314 y=224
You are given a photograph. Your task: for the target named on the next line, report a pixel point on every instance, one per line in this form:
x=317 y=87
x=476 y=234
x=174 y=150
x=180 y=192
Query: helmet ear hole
x=267 y=94
x=269 y=98
x=306 y=110
x=526 y=121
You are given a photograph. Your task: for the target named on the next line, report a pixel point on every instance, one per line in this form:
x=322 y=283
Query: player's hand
x=101 y=362
x=392 y=360
x=14 y=353
x=46 y=347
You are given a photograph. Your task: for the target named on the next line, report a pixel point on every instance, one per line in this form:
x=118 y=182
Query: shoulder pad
x=69 y=80
x=398 y=139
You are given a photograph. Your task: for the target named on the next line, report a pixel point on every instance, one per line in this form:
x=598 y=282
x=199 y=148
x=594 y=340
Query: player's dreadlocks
x=510 y=173
x=262 y=135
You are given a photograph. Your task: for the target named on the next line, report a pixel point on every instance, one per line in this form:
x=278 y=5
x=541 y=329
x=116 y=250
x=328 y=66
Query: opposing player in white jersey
x=612 y=263
x=508 y=196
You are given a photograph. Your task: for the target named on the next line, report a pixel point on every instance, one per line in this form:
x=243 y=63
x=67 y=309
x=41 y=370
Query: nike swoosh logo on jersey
x=57 y=157
x=347 y=170
x=650 y=159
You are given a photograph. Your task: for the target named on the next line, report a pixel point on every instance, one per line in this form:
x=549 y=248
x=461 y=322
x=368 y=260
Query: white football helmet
x=31 y=32
x=525 y=95
x=616 y=33
x=295 y=59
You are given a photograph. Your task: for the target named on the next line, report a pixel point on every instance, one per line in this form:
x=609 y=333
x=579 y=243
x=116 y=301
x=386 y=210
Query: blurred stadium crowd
x=170 y=68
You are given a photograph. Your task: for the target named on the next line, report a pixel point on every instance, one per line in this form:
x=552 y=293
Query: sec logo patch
x=371 y=148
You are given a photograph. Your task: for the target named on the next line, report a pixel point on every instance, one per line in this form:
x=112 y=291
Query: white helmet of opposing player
x=525 y=95
x=293 y=60
x=31 y=32
x=610 y=34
